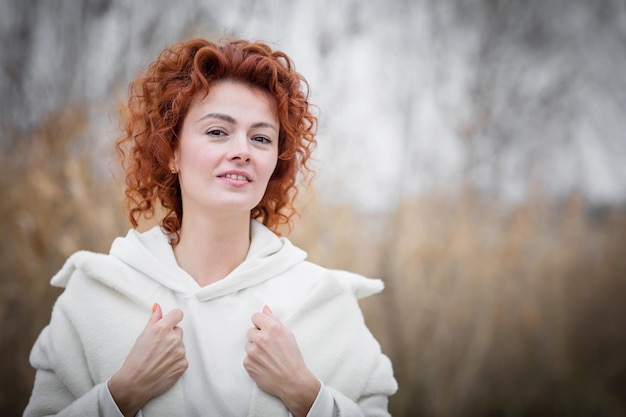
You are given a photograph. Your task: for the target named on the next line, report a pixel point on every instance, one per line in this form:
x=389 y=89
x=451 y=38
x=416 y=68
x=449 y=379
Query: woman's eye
x=262 y=139
x=215 y=132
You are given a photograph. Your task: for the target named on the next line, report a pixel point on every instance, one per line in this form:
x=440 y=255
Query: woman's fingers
x=274 y=361
x=172 y=318
x=251 y=334
x=155 y=362
x=272 y=350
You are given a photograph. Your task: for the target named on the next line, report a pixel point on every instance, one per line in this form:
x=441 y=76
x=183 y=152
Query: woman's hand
x=275 y=363
x=155 y=362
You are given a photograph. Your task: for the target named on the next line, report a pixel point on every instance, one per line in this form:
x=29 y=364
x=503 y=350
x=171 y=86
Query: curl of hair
x=160 y=99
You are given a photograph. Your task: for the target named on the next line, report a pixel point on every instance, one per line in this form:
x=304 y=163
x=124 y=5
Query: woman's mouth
x=236 y=177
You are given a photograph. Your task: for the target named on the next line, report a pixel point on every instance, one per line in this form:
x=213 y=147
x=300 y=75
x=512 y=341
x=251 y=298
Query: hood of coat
x=140 y=262
x=151 y=254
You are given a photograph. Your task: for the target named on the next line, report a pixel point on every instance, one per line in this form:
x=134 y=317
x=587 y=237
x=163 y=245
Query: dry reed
x=53 y=204
x=489 y=310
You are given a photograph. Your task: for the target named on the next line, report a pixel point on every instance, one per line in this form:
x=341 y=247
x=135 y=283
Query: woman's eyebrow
x=265 y=124
x=220 y=116
x=231 y=120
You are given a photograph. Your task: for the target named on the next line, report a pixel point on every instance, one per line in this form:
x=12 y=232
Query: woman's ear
x=173 y=164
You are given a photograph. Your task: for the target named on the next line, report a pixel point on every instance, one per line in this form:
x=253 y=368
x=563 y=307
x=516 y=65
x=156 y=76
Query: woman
x=238 y=322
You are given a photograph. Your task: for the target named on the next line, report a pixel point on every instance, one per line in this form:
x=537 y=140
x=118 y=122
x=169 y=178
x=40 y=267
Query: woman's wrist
x=125 y=398
x=300 y=394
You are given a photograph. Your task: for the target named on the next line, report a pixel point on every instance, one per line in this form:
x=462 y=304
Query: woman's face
x=227 y=150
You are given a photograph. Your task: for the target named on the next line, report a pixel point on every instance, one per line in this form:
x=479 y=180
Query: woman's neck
x=209 y=249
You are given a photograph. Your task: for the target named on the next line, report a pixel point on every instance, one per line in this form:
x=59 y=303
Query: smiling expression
x=227 y=149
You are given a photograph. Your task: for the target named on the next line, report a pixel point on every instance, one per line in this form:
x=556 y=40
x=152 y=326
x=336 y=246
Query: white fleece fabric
x=108 y=299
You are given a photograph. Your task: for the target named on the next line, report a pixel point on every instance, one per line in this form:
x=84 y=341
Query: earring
x=173 y=171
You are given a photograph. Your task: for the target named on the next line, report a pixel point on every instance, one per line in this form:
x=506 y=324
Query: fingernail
x=154 y=307
x=269 y=310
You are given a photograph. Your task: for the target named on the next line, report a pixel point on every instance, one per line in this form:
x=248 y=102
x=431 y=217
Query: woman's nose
x=239 y=148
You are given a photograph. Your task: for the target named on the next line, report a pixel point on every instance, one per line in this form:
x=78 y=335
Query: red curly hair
x=160 y=99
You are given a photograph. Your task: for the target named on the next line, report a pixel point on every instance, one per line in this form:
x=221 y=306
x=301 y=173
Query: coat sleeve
x=67 y=383
x=339 y=349
x=374 y=399
x=52 y=394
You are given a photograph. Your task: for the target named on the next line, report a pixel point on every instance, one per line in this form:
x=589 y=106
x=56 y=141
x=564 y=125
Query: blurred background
x=471 y=154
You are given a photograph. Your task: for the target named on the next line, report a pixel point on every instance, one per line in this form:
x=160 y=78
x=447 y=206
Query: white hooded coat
x=108 y=299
